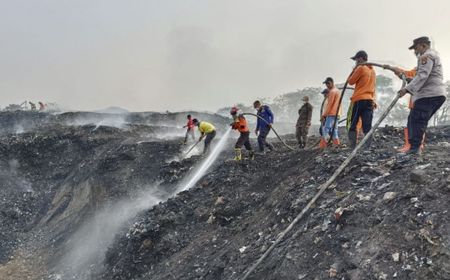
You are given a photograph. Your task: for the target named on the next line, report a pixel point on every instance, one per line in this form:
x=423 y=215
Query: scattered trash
x=396 y=257
x=242 y=249
x=389 y=196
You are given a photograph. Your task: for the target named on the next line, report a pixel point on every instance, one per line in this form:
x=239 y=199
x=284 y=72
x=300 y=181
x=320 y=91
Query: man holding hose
x=363 y=98
x=427 y=91
x=263 y=125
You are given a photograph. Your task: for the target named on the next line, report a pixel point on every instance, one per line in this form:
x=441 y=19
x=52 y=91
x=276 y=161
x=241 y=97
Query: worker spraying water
x=206 y=164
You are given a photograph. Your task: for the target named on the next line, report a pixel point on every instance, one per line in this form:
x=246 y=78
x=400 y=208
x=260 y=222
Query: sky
x=176 y=55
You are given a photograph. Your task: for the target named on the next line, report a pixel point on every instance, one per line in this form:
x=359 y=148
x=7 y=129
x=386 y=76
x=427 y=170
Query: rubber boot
x=238 y=155
x=422 y=145
x=336 y=142
x=407 y=145
x=369 y=141
x=352 y=139
x=322 y=144
x=251 y=154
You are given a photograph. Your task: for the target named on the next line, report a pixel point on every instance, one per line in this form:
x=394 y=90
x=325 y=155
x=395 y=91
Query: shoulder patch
x=424 y=59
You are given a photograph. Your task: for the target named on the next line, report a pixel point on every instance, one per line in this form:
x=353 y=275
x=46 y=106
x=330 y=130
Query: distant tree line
x=285 y=106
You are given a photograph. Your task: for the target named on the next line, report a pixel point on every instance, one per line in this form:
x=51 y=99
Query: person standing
x=427 y=91
x=363 y=98
x=240 y=124
x=330 y=114
x=190 y=129
x=409 y=75
x=322 y=108
x=303 y=122
x=206 y=130
x=263 y=125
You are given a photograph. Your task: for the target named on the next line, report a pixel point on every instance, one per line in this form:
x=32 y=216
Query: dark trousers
x=363 y=109
x=244 y=140
x=420 y=114
x=301 y=133
x=262 y=142
x=208 y=139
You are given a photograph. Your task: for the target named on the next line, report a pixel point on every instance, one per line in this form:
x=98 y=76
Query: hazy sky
x=197 y=54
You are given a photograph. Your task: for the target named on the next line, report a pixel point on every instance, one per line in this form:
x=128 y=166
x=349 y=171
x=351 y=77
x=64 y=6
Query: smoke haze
x=194 y=54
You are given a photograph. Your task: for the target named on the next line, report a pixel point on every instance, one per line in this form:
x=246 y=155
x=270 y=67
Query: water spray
x=206 y=164
x=324 y=186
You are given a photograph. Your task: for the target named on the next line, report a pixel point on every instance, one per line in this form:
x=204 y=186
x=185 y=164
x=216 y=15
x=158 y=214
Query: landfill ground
x=386 y=216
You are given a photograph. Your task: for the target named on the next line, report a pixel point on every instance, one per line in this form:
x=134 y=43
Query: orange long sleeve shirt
x=332 y=103
x=410 y=74
x=363 y=78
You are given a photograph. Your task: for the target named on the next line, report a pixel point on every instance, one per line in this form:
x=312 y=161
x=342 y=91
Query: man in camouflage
x=303 y=122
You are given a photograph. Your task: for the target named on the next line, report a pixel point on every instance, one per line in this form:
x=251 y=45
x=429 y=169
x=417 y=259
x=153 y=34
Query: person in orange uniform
x=240 y=124
x=363 y=98
x=330 y=114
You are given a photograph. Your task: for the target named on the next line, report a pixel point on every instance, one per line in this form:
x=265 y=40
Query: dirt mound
x=68 y=187
x=385 y=218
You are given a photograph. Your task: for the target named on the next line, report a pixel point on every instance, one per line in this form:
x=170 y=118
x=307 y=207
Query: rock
x=363 y=197
x=338 y=213
x=409 y=236
x=211 y=219
x=444 y=144
x=418 y=176
x=147 y=243
x=389 y=196
x=242 y=249
x=333 y=271
x=396 y=257
x=219 y=201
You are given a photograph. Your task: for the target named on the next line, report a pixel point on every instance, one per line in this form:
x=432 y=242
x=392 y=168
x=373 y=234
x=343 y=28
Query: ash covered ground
x=86 y=196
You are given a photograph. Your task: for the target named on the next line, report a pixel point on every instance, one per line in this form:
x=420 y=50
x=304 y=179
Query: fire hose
x=271 y=127
x=191 y=148
x=324 y=186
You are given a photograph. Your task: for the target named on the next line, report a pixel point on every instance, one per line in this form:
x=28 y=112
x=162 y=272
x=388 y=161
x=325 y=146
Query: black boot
x=352 y=139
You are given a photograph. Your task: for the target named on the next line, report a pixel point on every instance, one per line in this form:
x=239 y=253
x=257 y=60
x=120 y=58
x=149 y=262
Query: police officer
x=427 y=91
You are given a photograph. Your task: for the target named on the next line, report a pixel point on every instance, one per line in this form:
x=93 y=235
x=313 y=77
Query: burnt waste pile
x=69 y=182
x=91 y=200
x=383 y=219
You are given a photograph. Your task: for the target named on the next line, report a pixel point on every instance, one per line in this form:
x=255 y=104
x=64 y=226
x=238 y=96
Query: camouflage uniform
x=303 y=124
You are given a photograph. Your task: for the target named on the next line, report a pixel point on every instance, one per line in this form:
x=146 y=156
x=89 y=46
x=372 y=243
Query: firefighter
x=207 y=131
x=190 y=129
x=363 y=98
x=240 y=124
x=263 y=125
x=330 y=114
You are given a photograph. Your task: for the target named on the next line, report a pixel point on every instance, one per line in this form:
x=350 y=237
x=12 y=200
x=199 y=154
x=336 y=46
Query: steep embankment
x=394 y=224
x=63 y=182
